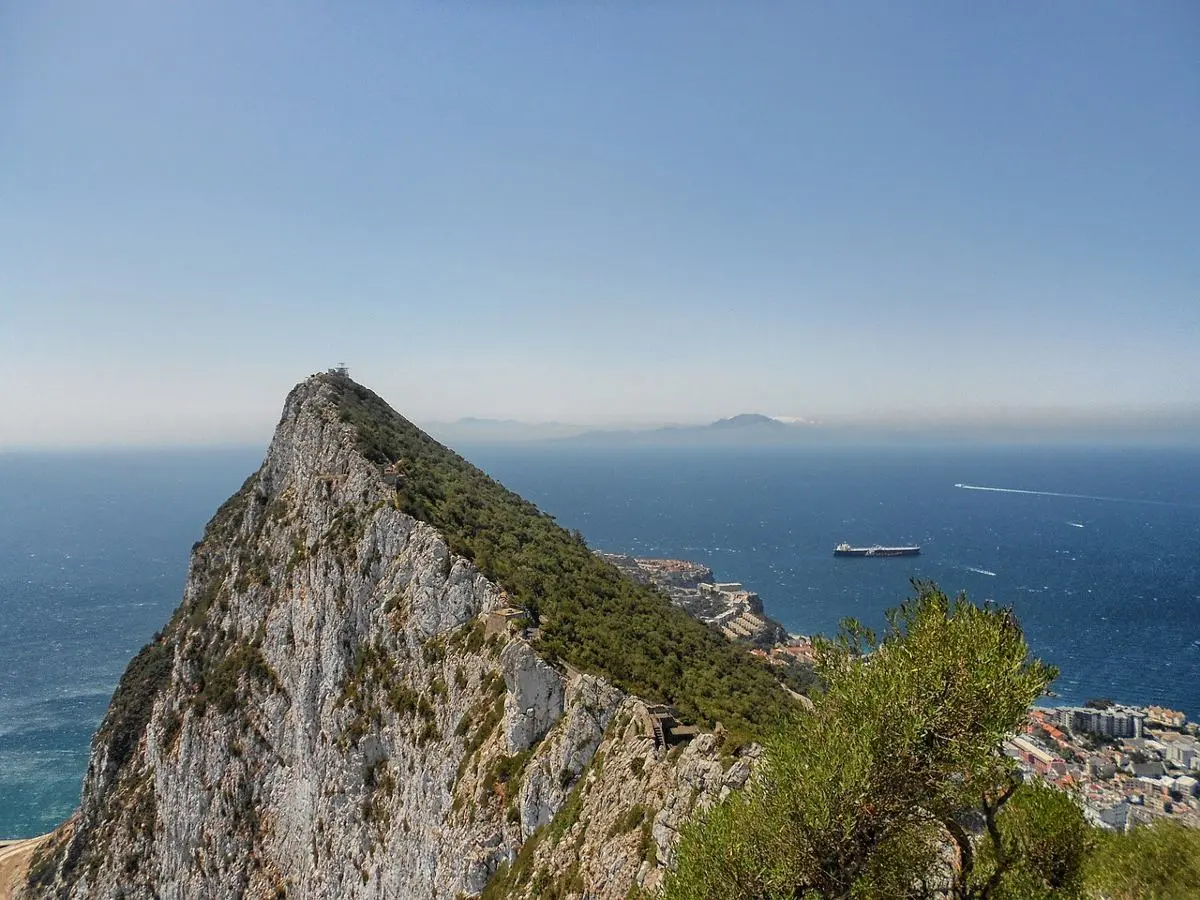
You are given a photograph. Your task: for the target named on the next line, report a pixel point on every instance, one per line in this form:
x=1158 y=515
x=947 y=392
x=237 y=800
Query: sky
x=594 y=212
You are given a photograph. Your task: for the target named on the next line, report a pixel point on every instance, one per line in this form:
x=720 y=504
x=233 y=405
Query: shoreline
x=14 y=862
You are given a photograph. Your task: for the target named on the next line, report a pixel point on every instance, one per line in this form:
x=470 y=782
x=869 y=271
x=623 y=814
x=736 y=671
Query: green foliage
x=129 y=711
x=629 y=820
x=223 y=673
x=506 y=770
x=1037 y=848
x=1160 y=861
x=488 y=711
x=568 y=813
x=433 y=651
x=852 y=800
x=469 y=637
x=647 y=848
x=591 y=616
x=509 y=878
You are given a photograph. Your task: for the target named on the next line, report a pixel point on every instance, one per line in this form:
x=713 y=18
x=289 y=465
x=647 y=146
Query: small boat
x=844 y=549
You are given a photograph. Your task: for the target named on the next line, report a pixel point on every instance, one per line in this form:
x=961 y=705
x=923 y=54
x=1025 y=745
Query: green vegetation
x=590 y=615
x=631 y=819
x=1160 y=861
x=144 y=678
x=222 y=675
x=899 y=763
x=505 y=770
x=487 y=712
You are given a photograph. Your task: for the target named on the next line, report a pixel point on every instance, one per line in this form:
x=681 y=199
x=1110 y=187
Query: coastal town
x=1128 y=765
x=727 y=606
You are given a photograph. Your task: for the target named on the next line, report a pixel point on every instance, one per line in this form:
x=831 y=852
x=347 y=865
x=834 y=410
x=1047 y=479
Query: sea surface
x=93 y=557
x=1103 y=568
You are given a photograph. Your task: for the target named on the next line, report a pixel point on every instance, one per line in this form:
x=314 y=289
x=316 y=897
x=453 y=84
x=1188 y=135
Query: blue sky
x=601 y=212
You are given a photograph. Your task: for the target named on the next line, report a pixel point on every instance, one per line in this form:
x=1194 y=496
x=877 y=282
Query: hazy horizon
x=1179 y=425
x=602 y=214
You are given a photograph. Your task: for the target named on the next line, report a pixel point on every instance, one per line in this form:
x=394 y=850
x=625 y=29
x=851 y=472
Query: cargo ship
x=844 y=549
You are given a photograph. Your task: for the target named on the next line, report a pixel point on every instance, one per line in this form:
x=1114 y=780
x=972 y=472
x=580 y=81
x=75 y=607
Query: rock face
x=535 y=696
x=324 y=717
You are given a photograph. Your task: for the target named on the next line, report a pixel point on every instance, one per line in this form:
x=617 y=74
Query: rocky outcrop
x=618 y=825
x=326 y=716
x=535 y=695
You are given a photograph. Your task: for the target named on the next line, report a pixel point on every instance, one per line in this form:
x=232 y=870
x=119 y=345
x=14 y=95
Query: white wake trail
x=979 y=571
x=1004 y=490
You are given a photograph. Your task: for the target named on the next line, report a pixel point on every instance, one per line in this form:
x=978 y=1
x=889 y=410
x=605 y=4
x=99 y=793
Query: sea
x=1097 y=549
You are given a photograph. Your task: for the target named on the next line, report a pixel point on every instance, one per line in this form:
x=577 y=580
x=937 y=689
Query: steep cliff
x=342 y=706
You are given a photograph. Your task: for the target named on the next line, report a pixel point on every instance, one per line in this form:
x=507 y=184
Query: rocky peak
x=346 y=703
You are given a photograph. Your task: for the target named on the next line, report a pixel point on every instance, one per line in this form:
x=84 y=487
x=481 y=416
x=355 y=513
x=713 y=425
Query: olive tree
x=894 y=785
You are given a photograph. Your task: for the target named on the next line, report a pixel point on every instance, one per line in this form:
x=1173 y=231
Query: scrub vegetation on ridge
x=590 y=616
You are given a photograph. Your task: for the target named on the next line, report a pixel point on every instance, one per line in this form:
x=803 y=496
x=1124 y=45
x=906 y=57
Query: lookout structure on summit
x=339 y=369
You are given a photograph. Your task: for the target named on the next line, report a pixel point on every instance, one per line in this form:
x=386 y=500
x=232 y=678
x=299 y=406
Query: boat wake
x=1075 y=524
x=979 y=571
x=1004 y=490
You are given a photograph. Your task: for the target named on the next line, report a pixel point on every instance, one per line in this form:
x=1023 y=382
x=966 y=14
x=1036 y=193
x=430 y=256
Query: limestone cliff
x=338 y=709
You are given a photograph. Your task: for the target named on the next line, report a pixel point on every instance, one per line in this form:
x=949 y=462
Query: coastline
x=14 y=862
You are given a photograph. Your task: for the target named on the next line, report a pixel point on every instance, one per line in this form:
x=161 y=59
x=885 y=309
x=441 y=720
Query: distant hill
x=749 y=420
x=742 y=429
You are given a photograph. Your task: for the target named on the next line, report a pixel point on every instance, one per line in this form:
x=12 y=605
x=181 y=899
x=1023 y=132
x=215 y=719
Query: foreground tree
x=1037 y=849
x=877 y=792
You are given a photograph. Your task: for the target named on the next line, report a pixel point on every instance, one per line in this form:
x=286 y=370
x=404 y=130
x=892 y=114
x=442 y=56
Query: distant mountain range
x=747 y=428
x=753 y=429
x=744 y=428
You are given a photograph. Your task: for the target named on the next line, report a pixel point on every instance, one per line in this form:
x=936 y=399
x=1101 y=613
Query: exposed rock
x=324 y=717
x=619 y=829
x=535 y=695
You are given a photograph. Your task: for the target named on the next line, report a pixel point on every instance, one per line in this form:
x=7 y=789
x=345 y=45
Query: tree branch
x=966 y=856
x=989 y=818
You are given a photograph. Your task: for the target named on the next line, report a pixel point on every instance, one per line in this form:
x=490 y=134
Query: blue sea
x=1106 y=581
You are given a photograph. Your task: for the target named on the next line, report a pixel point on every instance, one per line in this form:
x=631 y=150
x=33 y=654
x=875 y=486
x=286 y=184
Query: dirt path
x=14 y=860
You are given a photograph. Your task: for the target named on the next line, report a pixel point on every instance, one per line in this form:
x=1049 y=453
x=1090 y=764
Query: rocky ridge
x=331 y=713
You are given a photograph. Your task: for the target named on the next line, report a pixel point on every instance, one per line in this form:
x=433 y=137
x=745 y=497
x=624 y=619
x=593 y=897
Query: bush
x=129 y=712
x=853 y=799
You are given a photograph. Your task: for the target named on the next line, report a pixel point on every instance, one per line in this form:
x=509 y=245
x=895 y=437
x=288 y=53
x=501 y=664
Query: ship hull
x=879 y=551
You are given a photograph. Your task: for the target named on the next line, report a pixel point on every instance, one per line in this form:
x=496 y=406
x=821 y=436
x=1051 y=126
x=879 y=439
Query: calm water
x=93 y=552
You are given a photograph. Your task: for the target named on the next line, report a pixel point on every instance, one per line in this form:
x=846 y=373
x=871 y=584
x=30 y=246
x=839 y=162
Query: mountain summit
x=749 y=420
x=391 y=677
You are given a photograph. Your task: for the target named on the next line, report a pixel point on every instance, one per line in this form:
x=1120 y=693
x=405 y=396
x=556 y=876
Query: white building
x=1183 y=753
x=1116 y=721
